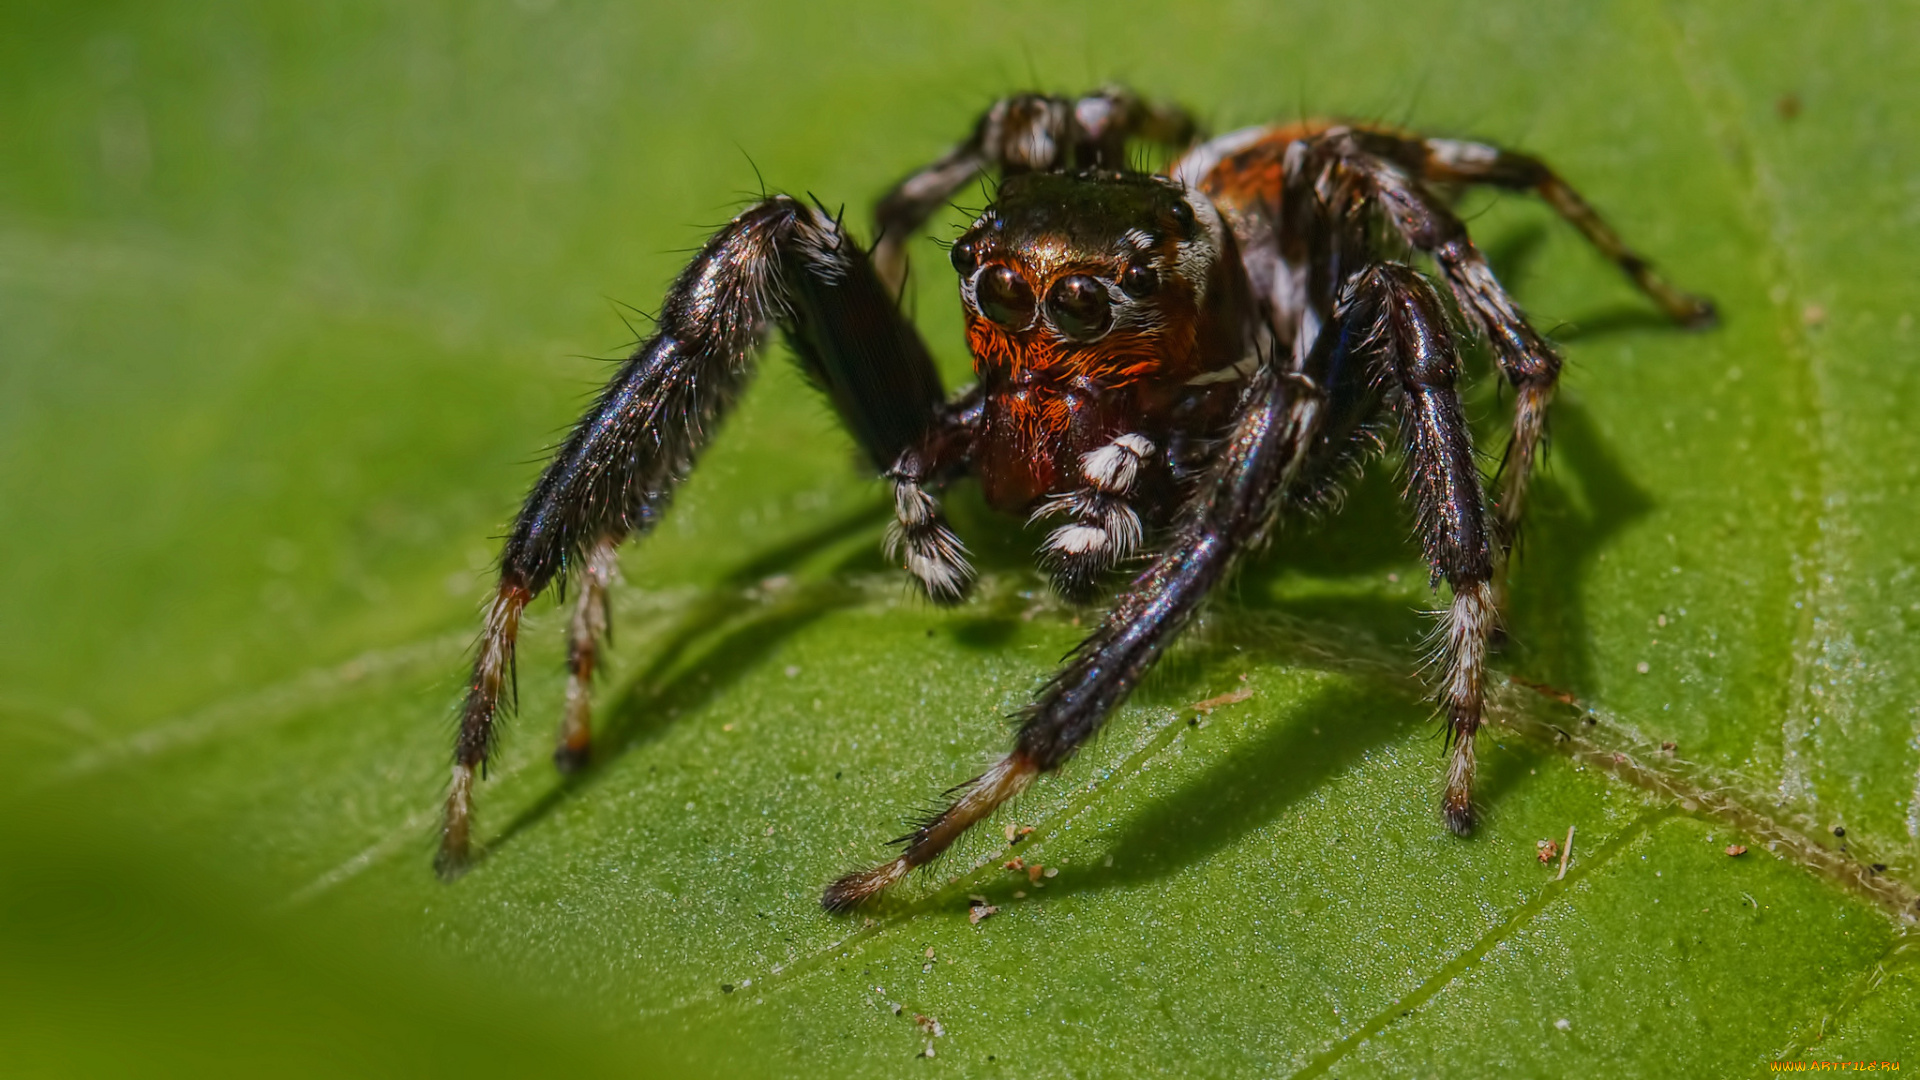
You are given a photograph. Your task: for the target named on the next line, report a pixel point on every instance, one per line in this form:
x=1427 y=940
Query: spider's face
x=1109 y=276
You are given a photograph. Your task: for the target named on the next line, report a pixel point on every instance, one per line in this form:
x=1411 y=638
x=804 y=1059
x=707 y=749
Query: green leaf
x=291 y=299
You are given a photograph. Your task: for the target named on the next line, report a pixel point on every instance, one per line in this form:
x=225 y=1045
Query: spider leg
x=1278 y=416
x=1462 y=162
x=1023 y=133
x=1394 y=167
x=1531 y=366
x=919 y=535
x=584 y=635
x=1410 y=331
x=1103 y=530
x=780 y=261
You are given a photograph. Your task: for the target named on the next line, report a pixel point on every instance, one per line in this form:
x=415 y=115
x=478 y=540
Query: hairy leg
x=1277 y=421
x=1415 y=343
x=1460 y=161
x=1394 y=168
x=585 y=632
x=780 y=262
x=1023 y=133
x=919 y=536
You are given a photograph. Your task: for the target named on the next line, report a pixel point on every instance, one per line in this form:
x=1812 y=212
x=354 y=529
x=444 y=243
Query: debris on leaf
x=1017 y=833
x=1544 y=690
x=929 y=1025
x=981 y=911
x=1736 y=849
x=1234 y=697
x=1669 y=747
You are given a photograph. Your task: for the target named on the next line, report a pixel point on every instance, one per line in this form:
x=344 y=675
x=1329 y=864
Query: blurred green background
x=292 y=297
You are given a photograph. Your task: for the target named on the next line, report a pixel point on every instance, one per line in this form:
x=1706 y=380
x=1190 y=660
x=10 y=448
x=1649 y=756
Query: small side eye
x=965 y=258
x=1139 y=280
x=1004 y=297
x=1079 y=307
x=1183 y=216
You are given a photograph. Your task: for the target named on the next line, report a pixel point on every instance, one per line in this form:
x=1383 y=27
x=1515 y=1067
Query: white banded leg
x=919 y=536
x=1102 y=530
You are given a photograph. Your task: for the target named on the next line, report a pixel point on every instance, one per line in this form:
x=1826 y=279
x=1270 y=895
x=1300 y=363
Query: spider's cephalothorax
x=1164 y=365
x=1106 y=317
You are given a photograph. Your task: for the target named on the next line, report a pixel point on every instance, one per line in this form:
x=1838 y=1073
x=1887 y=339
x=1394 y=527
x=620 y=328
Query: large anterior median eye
x=1079 y=307
x=1004 y=297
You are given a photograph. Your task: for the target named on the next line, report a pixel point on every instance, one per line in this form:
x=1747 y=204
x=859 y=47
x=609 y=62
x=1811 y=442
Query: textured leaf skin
x=290 y=300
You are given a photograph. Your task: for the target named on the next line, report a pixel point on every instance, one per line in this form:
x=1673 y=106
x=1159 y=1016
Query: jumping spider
x=1180 y=356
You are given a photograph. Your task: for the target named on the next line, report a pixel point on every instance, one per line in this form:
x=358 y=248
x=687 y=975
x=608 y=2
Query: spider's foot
x=570 y=759
x=1456 y=807
x=861 y=886
x=1691 y=312
x=456 y=847
x=1459 y=815
x=450 y=864
x=1702 y=316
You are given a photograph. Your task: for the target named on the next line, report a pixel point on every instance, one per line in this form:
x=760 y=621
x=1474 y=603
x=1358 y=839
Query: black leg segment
x=780 y=262
x=1228 y=517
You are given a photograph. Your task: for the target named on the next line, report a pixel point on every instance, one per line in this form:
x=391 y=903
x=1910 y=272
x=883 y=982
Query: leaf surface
x=291 y=301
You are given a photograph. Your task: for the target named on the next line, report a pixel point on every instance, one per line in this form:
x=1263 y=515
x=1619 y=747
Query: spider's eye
x=965 y=259
x=1004 y=297
x=1139 y=280
x=1183 y=217
x=1079 y=307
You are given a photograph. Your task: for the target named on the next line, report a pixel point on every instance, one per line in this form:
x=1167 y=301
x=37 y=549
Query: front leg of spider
x=1102 y=529
x=781 y=262
x=919 y=536
x=1277 y=422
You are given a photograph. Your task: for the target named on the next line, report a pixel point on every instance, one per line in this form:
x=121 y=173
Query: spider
x=1165 y=364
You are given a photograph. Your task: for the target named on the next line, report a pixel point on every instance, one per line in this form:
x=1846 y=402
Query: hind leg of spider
x=1458 y=161
x=1277 y=423
x=1530 y=365
x=1443 y=486
x=1023 y=133
x=585 y=634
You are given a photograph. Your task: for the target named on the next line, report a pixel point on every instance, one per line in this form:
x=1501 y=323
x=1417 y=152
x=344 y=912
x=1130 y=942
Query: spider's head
x=1118 y=277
